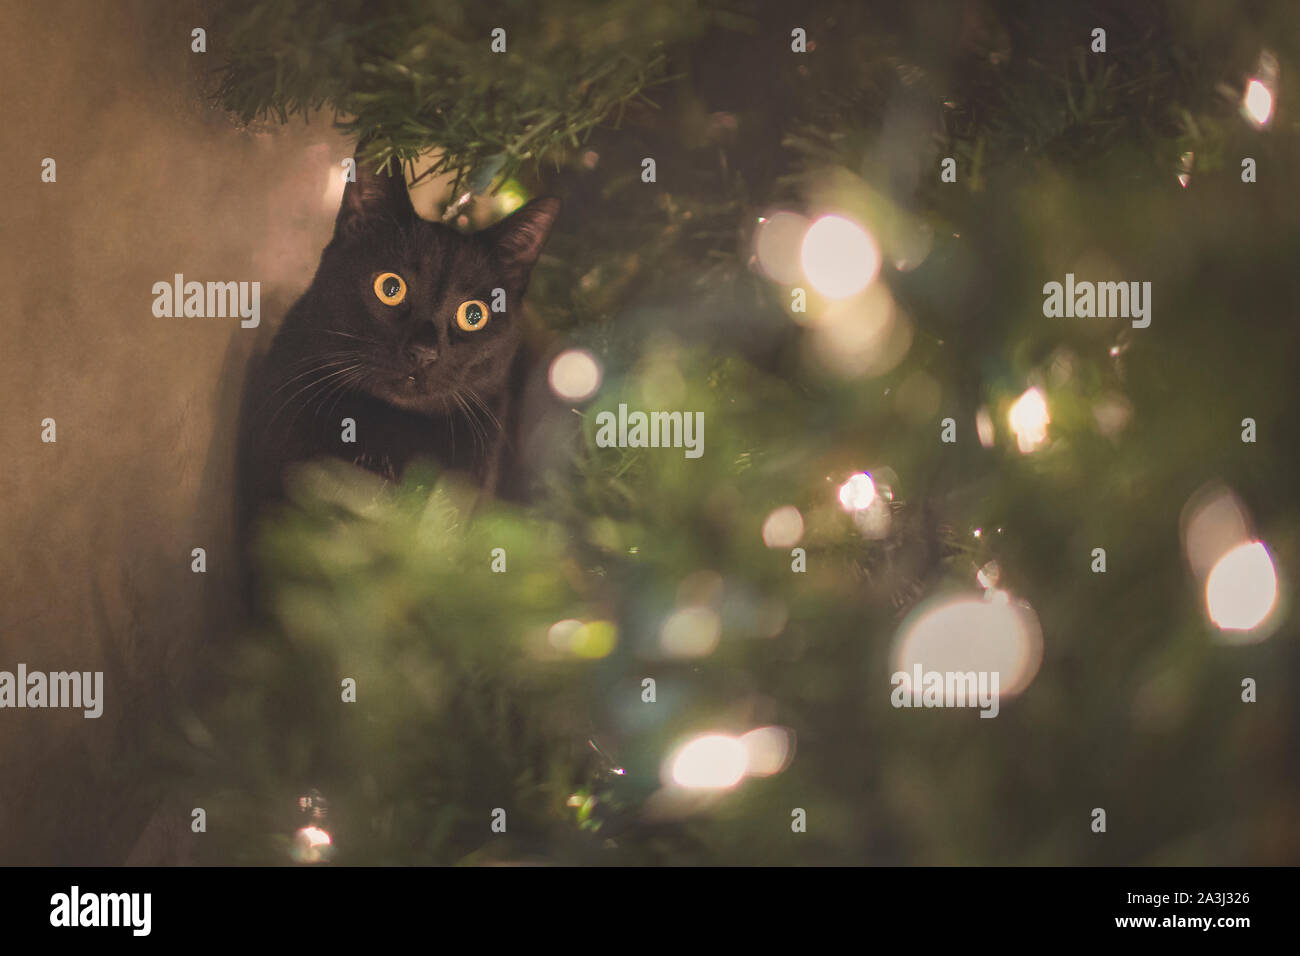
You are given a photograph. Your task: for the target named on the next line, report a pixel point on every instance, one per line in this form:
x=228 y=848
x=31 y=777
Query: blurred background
x=798 y=271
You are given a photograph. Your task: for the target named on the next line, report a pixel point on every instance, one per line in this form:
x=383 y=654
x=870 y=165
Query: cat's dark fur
x=414 y=382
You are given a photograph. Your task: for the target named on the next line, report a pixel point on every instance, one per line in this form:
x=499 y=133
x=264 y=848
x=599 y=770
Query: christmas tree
x=826 y=235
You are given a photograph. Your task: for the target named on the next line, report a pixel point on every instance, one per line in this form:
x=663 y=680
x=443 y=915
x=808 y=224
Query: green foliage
x=408 y=76
x=1067 y=163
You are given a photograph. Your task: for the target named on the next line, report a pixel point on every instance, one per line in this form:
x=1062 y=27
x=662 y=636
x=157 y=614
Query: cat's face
x=431 y=317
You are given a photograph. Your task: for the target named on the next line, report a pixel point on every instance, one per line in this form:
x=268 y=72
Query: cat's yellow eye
x=472 y=315
x=390 y=288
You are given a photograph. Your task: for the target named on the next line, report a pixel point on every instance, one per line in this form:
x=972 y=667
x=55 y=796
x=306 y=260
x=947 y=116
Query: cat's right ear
x=375 y=196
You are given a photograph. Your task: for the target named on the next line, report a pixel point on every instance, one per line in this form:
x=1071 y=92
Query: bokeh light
x=1257 y=103
x=777 y=242
x=865 y=335
x=311 y=845
x=1112 y=412
x=575 y=375
x=768 y=750
x=984 y=427
x=857 y=493
x=983 y=634
x=510 y=197
x=691 y=632
x=590 y=640
x=1214 y=522
x=1029 y=419
x=710 y=762
x=1242 y=588
x=839 y=257
x=783 y=528
x=874 y=520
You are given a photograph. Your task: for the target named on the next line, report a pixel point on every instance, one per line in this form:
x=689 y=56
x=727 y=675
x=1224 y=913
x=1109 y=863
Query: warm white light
x=1242 y=589
x=1029 y=419
x=561 y=634
x=858 y=492
x=314 y=836
x=767 y=750
x=711 y=762
x=783 y=528
x=691 y=632
x=838 y=257
x=982 y=634
x=575 y=375
x=1258 y=103
x=1214 y=521
x=874 y=520
x=311 y=845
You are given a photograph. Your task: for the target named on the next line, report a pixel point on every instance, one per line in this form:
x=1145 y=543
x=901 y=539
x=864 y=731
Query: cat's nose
x=421 y=356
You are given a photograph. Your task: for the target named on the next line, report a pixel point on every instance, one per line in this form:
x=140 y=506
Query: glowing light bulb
x=311 y=845
x=1242 y=588
x=710 y=762
x=858 y=492
x=1257 y=104
x=315 y=836
x=839 y=257
x=1029 y=419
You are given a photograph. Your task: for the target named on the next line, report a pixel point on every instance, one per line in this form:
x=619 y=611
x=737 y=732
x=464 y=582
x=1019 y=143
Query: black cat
x=410 y=329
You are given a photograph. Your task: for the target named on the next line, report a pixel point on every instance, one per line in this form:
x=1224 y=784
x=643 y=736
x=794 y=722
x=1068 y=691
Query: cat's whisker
x=451 y=423
x=332 y=360
x=478 y=400
x=342 y=387
x=460 y=403
x=348 y=335
x=315 y=383
x=289 y=399
x=471 y=415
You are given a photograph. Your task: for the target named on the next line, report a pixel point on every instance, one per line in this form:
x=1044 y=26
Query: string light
x=710 y=762
x=1257 y=103
x=1029 y=419
x=1242 y=588
x=857 y=493
x=839 y=257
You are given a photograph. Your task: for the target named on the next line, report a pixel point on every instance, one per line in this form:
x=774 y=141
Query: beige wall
x=98 y=528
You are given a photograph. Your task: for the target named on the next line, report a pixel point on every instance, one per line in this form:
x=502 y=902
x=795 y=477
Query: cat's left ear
x=520 y=236
x=376 y=195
